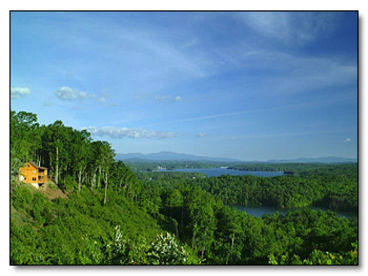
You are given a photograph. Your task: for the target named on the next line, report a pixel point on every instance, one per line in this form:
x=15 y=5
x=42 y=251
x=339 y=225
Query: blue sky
x=245 y=85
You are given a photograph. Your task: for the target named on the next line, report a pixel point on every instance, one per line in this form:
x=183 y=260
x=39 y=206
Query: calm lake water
x=260 y=211
x=224 y=171
x=253 y=211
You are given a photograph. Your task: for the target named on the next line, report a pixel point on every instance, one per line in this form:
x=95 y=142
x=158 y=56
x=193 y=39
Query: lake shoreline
x=214 y=172
x=260 y=211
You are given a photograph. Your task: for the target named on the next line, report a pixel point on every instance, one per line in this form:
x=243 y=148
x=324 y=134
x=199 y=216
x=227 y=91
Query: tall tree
x=81 y=151
x=55 y=142
x=107 y=159
x=25 y=138
x=199 y=205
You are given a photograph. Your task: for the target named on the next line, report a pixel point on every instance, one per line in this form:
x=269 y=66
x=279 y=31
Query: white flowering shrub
x=164 y=250
x=124 y=251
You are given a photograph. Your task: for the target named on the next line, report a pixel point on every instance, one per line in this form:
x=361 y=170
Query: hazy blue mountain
x=173 y=156
x=329 y=159
x=170 y=156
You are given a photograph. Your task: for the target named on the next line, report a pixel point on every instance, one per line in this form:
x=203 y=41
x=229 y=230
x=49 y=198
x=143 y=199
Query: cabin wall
x=31 y=174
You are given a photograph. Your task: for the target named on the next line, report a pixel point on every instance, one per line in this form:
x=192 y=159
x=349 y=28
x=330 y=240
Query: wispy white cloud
x=66 y=93
x=206 y=117
x=275 y=25
x=167 y=98
x=119 y=133
x=17 y=92
x=201 y=134
x=281 y=134
x=292 y=106
x=289 y=27
x=289 y=73
x=305 y=74
x=347 y=140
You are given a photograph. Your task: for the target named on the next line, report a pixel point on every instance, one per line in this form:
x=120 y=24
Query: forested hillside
x=332 y=187
x=107 y=215
x=335 y=192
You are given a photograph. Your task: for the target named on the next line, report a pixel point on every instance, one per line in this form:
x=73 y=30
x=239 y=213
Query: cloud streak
x=168 y=98
x=66 y=93
x=293 y=106
x=290 y=28
x=17 y=92
x=120 y=133
x=282 y=134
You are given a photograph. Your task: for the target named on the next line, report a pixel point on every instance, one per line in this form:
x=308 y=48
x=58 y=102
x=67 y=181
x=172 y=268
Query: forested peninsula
x=95 y=210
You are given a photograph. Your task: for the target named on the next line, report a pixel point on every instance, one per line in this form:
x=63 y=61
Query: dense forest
x=96 y=210
x=335 y=191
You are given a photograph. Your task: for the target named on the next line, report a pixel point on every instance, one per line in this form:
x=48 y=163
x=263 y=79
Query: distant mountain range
x=173 y=156
x=330 y=159
x=170 y=156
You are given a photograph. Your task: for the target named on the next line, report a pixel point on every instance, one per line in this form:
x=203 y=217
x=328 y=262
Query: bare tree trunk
x=79 y=180
x=93 y=182
x=99 y=177
x=176 y=228
x=105 y=199
x=57 y=167
x=231 y=248
x=84 y=176
x=203 y=248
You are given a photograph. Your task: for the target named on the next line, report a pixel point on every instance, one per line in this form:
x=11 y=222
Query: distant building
x=33 y=174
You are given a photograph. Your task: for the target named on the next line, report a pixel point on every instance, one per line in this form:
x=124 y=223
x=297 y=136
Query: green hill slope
x=75 y=230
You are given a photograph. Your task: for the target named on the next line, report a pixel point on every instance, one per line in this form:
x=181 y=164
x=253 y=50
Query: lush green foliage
x=74 y=230
x=230 y=236
x=81 y=230
x=337 y=192
x=332 y=191
x=164 y=250
x=108 y=215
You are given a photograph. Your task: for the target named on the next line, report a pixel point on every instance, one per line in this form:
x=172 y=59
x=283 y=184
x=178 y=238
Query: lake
x=260 y=211
x=224 y=171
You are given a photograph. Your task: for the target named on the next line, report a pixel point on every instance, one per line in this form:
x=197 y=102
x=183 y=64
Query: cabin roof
x=36 y=166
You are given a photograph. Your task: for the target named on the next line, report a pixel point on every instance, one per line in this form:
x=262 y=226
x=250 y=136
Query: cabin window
x=34 y=178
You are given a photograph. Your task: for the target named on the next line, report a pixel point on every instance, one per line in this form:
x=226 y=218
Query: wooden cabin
x=33 y=174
